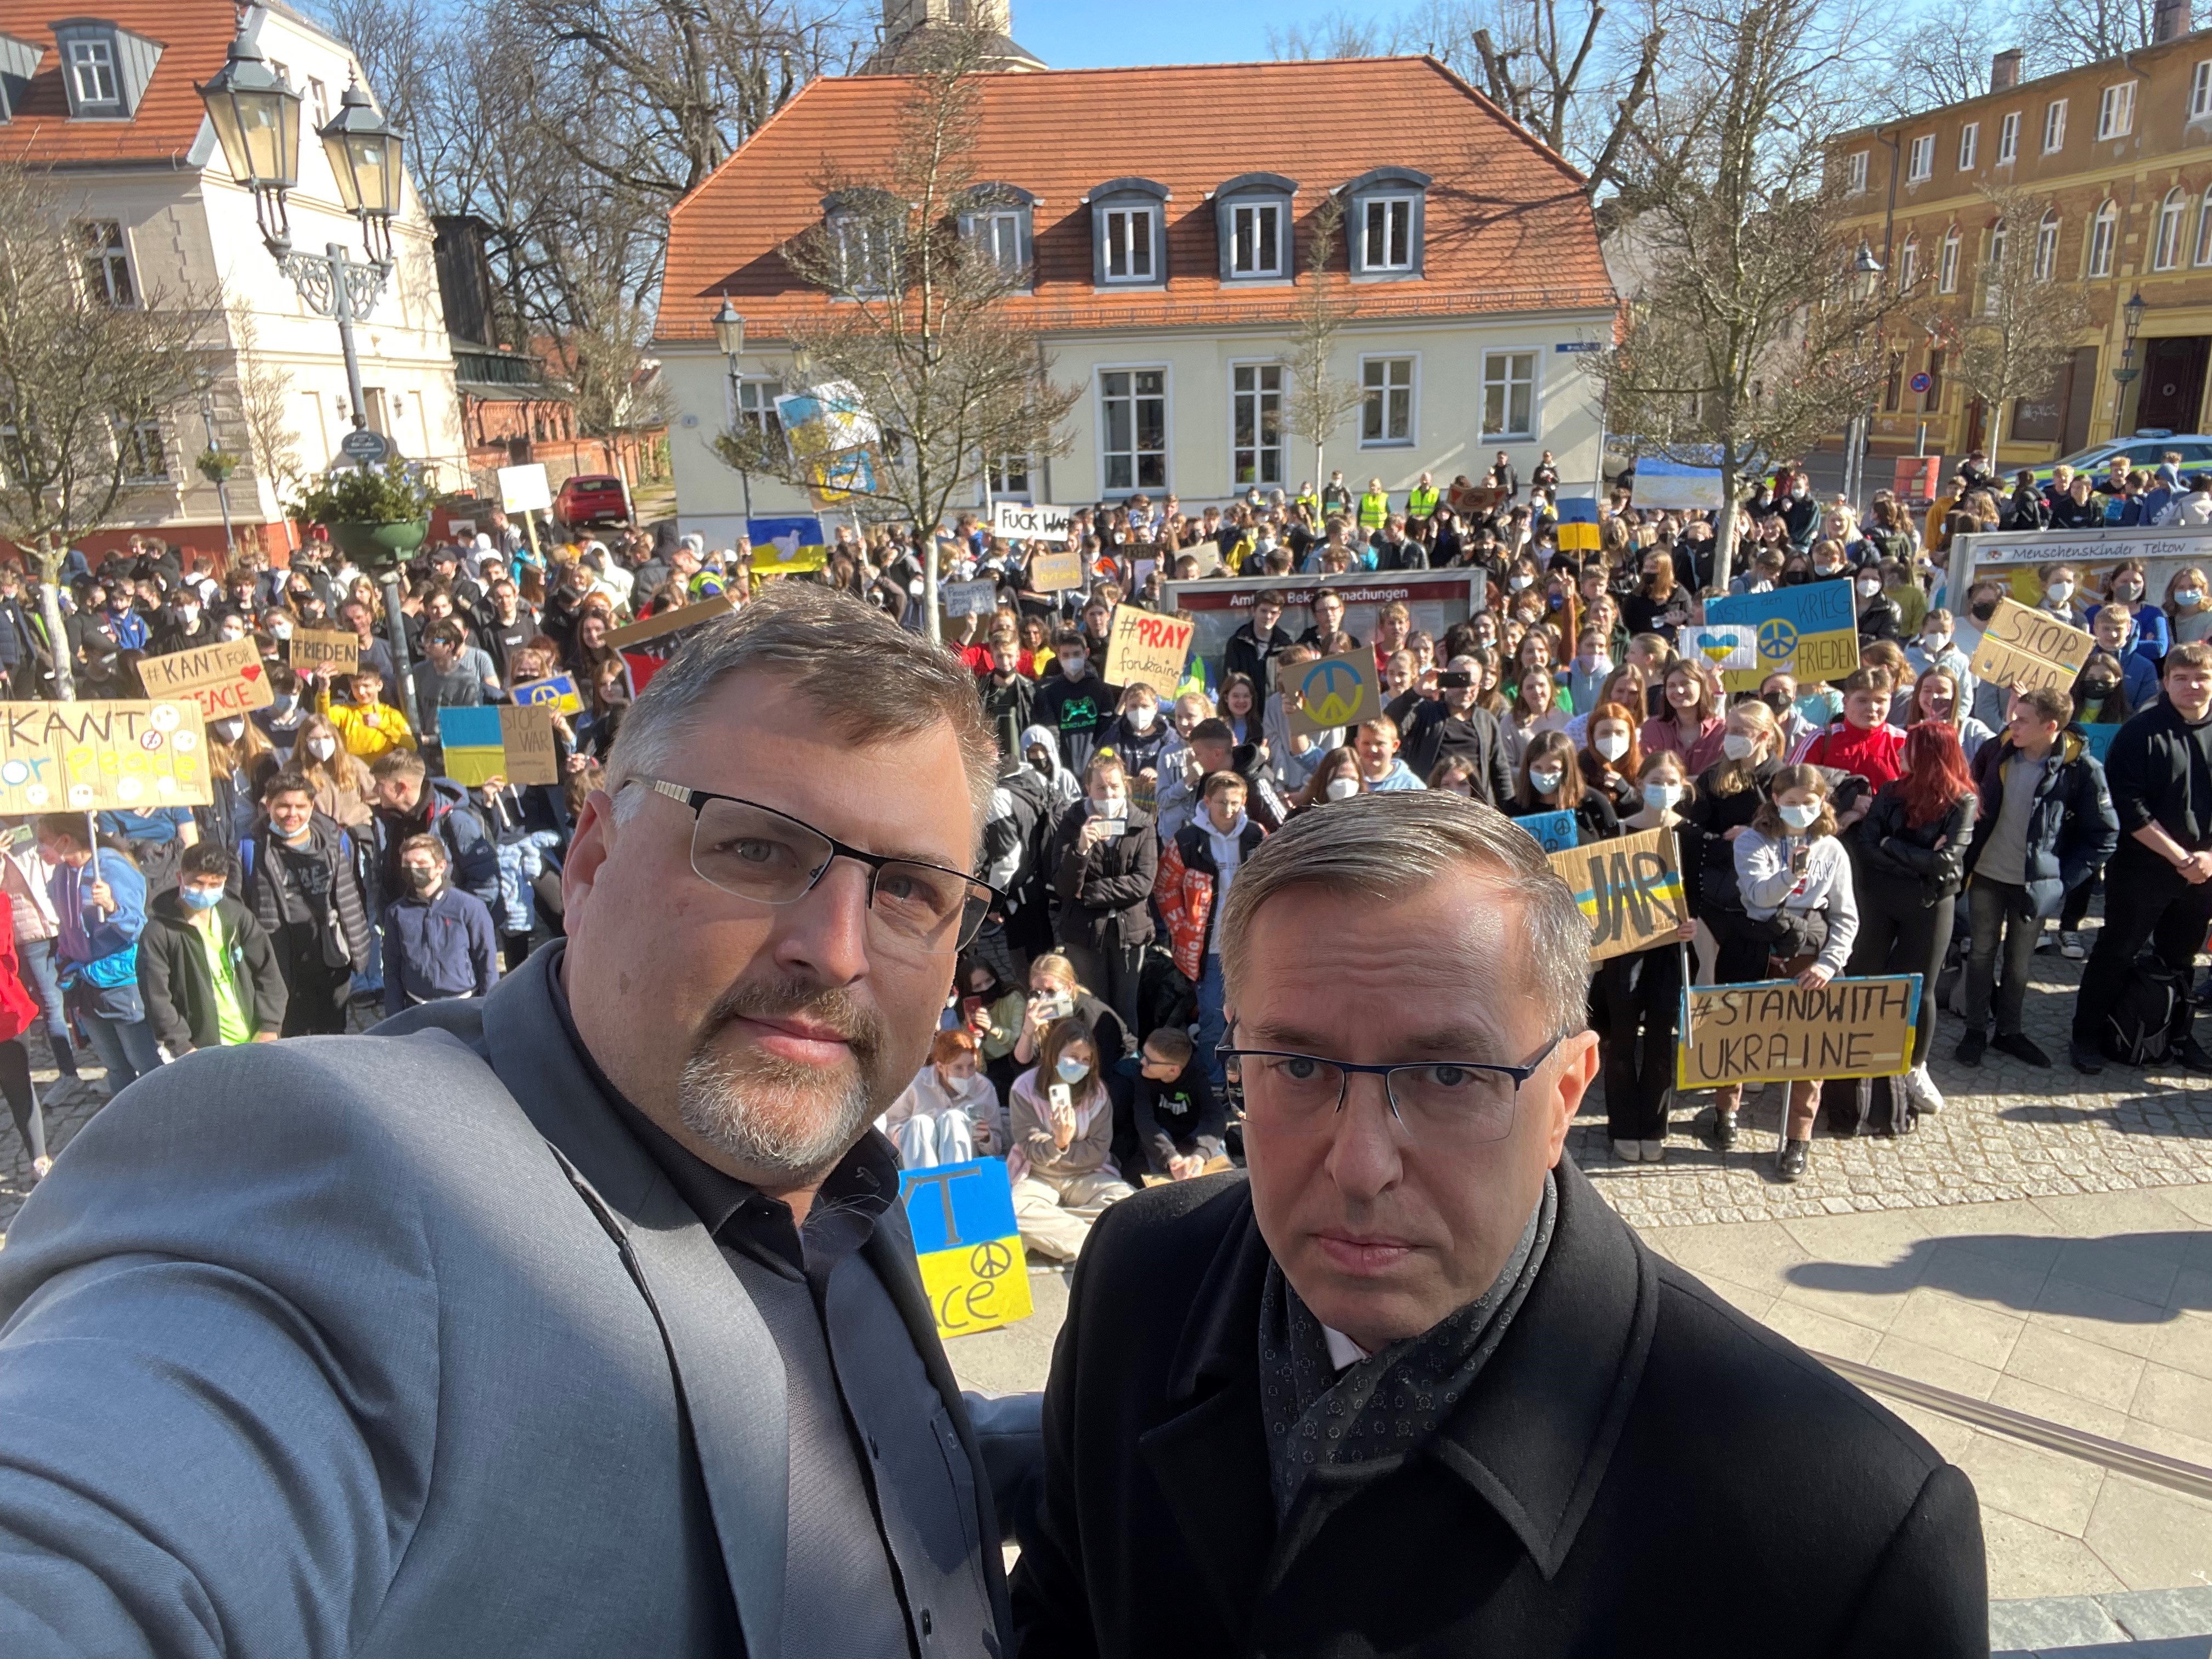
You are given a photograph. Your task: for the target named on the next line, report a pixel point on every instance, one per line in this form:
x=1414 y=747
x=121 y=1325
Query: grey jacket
x=364 y=1346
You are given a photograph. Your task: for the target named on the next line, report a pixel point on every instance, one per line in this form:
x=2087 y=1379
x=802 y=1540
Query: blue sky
x=1103 y=34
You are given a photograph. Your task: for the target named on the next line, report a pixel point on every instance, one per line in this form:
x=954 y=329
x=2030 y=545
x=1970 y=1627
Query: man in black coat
x=1449 y=724
x=1410 y=1387
x=1252 y=650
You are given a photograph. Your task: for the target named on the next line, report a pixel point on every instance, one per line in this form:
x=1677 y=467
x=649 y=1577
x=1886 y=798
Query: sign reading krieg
x=226 y=680
x=2025 y=647
x=1147 y=648
x=967 y=1244
x=1810 y=632
x=1631 y=889
x=1019 y=521
x=1775 y=1029
x=101 y=756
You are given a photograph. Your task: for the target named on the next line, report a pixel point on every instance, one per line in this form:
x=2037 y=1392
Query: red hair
x=1936 y=776
x=1595 y=765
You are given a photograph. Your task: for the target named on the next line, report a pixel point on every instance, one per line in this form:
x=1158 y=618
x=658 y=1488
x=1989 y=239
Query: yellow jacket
x=368 y=733
x=1373 y=510
x=1422 y=503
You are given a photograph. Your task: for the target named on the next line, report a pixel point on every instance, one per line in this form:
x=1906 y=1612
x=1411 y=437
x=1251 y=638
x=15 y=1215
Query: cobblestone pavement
x=2007 y=1130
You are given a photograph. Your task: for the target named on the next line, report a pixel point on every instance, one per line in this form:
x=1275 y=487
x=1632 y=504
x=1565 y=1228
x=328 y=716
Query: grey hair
x=868 y=678
x=1386 y=845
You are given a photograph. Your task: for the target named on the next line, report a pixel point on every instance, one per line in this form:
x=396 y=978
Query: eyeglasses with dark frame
x=758 y=852
x=1435 y=1101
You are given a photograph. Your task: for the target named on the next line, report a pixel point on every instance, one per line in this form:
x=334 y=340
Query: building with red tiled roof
x=105 y=101
x=1163 y=216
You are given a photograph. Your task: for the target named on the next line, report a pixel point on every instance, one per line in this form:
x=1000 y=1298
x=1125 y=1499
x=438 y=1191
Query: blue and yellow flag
x=1577 y=528
x=474 y=748
x=961 y=1216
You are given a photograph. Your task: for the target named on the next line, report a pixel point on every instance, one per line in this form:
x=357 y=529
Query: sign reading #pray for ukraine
x=970 y=1249
x=1811 y=632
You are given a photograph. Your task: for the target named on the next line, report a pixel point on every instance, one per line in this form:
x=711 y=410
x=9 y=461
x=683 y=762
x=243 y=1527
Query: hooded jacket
x=179 y=988
x=445 y=810
x=2073 y=827
x=1060 y=783
x=1185 y=887
x=298 y=921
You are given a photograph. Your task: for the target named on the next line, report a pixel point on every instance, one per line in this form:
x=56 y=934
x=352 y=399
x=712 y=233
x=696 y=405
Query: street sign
x=365 y=445
x=1921 y=381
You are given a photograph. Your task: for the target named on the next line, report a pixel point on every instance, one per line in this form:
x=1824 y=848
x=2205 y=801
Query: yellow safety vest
x=1373 y=510
x=1311 y=503
x=1422 y=503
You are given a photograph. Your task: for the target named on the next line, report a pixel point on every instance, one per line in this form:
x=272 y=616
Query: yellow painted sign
x=1776 y=1031
x=101 y=756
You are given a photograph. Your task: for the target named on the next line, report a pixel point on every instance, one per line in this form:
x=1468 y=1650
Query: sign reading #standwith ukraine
x=961 y=1216
x=1811 y=632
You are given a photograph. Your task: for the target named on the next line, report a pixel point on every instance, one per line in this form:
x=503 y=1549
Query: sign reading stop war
x=2025 y=647
x=1776 y=1031
x=1329 y=692
x=100 y=757
x=967 y=1244
x=1144 y=648
x=1629 y=888
x=226 y=680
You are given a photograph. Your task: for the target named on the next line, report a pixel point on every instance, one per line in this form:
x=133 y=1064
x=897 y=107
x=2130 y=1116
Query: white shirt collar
x=1343 y=1352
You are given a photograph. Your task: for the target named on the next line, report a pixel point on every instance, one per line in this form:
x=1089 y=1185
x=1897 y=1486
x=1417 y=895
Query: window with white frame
x=1855 y=168
x=2204 y=229
x=1133 y=429
x=2054 y=126
x=1947 y=263
x=2200 y=91
x=2009 y=138
x=1255 y=424
x=105 y=262
x=865 y=259
x=1255 y=240
x=998 y=233
x=1970 y=144
x=92 y=73
x=755 y=407
x=1908 y=264
x=2116 y=111
x=145 y=457
x=2046 y=246
x=2104 y=230
x=1509 y=394
x=1993 y=273
x=1010 y=476
x=1130 y=234
x=2166 y=244
x=1386 y=408
x=1387 y=237
x=1920 y=160
x=319 y=100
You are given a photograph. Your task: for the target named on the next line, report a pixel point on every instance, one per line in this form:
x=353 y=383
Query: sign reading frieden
x=99 y=757
x=1775 y=1029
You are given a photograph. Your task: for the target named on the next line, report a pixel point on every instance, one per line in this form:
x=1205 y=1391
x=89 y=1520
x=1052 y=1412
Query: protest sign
x=2101 y=741
x=558 y=693
x=1629 y=887
x=474 y=751
x=1577 y=529
x=1662 y=483
x=97 y=756
x=2025 y=647
x=784 y=545
x=1775 y=1030
x=1055 y=573
x=1144 y=647
x=1725 y=645
x=968 y=598
x=1321 y=695
x=965 y=1240
x=524 y=488
x=670 y=622
x=1020 y=521
x=1810 y=632
x=525 y=731
x=1554 y=832
x=225 y=679
x=312 y=650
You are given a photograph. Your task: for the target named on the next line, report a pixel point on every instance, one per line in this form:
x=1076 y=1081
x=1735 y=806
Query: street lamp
x=255 y=113
x=730 y=335
x=204 y=383
x=2131 y=316
x=1867 y=274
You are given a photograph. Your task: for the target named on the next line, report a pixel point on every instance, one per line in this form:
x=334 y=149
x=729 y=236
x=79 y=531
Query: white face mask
x=2061 y=592
x=1736 y=746
x=1935 y=644
x=1110 y=807
x=1662 y=797
x=1072 y=664
x=322 y=748
x=1800 y=816
x=1869 y=586
x=1142 y=716
x=1517 y=580
x=1611 y=746
x=1545 y=783
x=2188 y=595
x=1342 y=788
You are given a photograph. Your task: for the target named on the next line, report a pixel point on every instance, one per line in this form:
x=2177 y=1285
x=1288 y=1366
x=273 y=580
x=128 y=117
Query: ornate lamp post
x=730 y=335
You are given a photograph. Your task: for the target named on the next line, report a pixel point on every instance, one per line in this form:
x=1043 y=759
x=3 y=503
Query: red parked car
x=592 y=498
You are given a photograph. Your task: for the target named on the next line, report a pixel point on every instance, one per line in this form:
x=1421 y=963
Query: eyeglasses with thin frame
x=758 y=852
x=1436 y=1102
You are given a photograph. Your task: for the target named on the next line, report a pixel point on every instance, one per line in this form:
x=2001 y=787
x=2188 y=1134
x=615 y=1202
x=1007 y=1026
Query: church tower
x=907 y=20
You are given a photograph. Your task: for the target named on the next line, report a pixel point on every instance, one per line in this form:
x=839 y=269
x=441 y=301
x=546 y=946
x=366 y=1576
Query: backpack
x=2142 y=1026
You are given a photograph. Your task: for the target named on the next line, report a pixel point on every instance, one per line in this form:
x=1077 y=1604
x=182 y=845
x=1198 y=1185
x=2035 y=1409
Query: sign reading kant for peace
x=1629 y=887
x=1811 y=632
x=225 y=679
x=2020 y=646
x=1144 y=648
x=99 y=757
x=1775 y=1029
x=969 y=1251
x=1329 y=692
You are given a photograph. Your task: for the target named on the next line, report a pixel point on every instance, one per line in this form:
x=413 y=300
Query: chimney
x=2171 y=21
x=2004 y=70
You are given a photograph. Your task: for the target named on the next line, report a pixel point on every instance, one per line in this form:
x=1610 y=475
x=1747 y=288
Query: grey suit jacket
x=317 y=1348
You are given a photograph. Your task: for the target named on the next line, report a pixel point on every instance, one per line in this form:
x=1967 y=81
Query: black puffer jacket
x=1931 y=858
x=1105 y=891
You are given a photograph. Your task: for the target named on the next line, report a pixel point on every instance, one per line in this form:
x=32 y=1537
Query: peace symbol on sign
x=990 y=1259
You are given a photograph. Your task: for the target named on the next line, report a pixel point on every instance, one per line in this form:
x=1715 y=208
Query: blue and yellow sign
x=782 y=547
x=1578 y=527
x=475 y=751
x=1554 y=831
x=1811 y=632
x=961 y=1216
x=560 y=690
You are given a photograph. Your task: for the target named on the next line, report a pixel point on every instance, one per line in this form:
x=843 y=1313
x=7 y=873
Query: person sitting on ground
x=949 y=1113
x=1060 y=1122
x=1180 y=1119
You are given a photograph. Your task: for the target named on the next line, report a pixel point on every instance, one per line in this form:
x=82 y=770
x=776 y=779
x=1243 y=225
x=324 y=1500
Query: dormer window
x=865 y=228
x=92 y=73
x=1128 y=227
x=1389 y=209
x=1252 y=217
x=104 y=70
x=998 y=221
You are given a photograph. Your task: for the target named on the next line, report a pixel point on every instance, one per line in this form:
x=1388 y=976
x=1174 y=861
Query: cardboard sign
x=1631 y=889
x=1331 y=691
x=968 y=598
x=1056 y=572
x=100 y=757
x=2025 y=647
x=313 y=650
x=1810 y=632
x=557 y=693
x=225 y=679
x=525 y=731
x=967 y=1244
x=1773 y=1031
x=1555 y=832
x=1021 y=522
x=670 y=622
x=524 y=488
x=1144 y=648
x=499 y=741
x=1725 y=645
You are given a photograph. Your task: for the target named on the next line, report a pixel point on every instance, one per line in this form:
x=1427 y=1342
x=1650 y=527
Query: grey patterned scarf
x=1379 y=1413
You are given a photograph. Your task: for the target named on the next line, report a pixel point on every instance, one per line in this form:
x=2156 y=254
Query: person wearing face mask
x=1639 y=996
x=207 y=969
x=2059 y=587
x=1075 y=703
x=343 y=789
x=1551 y=781
x=1103 y=854
x=1060 y=1122
x=1729 y=796
x=1336 y=777
x=1593 y=662
x=2188 y=606
x=1611 y=758
x=438 y=942
x=1936 y=647
x=184 y=626
x=1197 y=870
x=1139 y=736
x=949 y=1113
x=280 y=721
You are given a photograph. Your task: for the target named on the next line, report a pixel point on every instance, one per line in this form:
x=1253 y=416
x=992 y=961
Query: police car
x=2143 y=451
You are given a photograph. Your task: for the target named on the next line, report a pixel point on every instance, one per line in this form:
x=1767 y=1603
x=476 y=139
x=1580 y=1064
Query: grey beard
x=771 y=1119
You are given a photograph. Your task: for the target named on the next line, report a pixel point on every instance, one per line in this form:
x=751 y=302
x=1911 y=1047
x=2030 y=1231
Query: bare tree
x=1320 y=399
x=1334 y=35
x=925 y=339
x=264 y=399
x=1538 y=71
x=2059 y=33
x=1943 y=57
x=89 y=391
x=2007 y=336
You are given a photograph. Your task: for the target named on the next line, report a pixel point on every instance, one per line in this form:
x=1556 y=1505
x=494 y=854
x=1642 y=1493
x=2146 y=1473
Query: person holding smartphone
x=1104 y=858
x=1061 y=1123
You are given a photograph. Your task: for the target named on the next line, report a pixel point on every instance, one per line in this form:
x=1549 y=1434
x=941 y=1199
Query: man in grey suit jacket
x=581 y=1319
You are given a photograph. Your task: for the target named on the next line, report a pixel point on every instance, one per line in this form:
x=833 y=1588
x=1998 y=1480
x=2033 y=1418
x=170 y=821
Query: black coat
x=1434 y=733
x=2072 y=829
x=179 y=991
x=1629 y=1425
x=1904 y=856
x=1246 y=654
x=1106 y=893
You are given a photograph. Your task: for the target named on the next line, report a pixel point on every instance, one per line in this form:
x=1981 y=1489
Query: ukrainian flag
x=969 y=1247
x=475 y=751
x=1577 y=524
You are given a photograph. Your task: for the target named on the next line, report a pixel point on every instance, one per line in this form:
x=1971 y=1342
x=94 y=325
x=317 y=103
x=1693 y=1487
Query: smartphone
x=1113 y=829
x=1799 y=860
x=1062 y=1100
x=1056 y=1007
x=1451 y=680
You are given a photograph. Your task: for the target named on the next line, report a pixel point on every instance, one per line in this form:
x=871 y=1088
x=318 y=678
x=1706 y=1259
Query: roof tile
x=195 y=37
